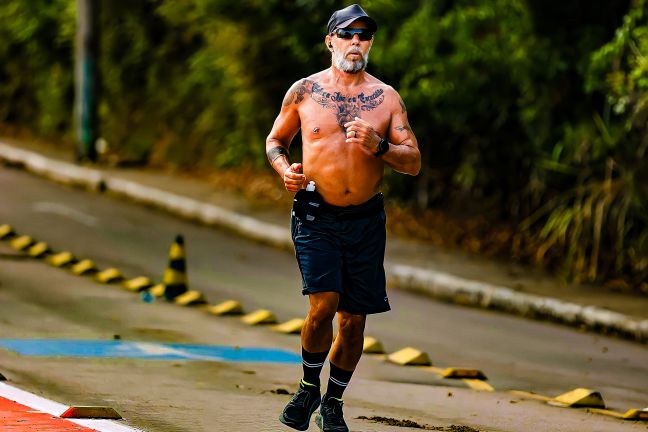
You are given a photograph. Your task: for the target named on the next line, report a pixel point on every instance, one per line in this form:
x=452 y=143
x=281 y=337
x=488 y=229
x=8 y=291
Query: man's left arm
x=403 y=154
x=399 y=149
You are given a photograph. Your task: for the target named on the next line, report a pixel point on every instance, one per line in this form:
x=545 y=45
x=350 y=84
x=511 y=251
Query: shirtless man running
x=352 y=125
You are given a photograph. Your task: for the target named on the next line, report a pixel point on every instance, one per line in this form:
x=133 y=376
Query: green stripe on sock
x=307 y=383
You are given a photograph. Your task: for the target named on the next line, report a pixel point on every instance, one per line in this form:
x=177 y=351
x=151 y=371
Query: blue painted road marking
x=147 y=350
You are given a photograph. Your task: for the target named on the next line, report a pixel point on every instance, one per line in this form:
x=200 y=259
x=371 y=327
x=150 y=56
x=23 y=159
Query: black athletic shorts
x=342 y=249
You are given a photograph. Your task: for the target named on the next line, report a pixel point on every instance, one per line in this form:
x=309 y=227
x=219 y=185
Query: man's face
x=350 y=51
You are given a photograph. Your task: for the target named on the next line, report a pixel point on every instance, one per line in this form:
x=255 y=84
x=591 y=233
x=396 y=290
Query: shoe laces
x=301 y=398
x=334 y=408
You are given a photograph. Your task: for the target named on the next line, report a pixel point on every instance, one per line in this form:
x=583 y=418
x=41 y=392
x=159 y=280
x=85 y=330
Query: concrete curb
x=438 y=285
x=208 y=214
x=62 y=172
x=473 y=293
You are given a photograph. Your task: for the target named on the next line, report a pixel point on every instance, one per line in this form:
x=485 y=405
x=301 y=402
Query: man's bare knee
x=323 y=307
x=351 y=325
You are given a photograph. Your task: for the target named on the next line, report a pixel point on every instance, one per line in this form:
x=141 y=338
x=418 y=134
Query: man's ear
x=327 y=41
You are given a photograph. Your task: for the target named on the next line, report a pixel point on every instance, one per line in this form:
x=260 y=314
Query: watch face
x=383 y=146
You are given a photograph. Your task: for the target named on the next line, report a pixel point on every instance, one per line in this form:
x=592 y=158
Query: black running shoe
x=299 y=410
x=330 y=417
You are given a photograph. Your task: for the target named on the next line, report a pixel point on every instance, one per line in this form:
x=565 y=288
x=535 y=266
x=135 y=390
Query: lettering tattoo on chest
x=345 y=107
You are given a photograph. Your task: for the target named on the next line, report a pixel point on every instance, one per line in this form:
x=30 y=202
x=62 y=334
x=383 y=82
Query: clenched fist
x=293 y=178
x=361 y=132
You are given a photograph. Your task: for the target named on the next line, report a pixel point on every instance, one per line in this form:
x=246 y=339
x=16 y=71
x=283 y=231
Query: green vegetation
x=534 y=112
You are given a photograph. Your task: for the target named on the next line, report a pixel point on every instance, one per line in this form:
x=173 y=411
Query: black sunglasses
x=363 y=34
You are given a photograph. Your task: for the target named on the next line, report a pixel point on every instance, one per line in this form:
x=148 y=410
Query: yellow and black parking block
x=190 y=298
x=39 y=250
x=109 y=275
x=138 y=284
x=84 y=267
x=6 y=231
x=579 y=398
x=372 y=346
x=293 y=326
x=259 y=317
x=22 y=242
x=228 y=307
x=61 y=259
x=410 y=357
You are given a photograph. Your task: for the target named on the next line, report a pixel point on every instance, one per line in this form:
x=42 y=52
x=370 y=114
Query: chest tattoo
x=344 y=107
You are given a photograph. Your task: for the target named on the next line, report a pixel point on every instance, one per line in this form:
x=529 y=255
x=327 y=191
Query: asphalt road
x=196 y=395
x=513 y=352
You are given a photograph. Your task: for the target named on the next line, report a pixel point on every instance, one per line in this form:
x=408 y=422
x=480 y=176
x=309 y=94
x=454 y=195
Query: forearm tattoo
x=346 y=108
x=275 y=152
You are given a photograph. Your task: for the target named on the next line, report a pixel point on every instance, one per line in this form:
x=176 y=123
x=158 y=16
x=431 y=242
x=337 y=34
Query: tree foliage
x=597 y=220
x=534 y=112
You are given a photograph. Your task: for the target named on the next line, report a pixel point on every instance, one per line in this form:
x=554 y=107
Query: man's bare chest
x=329 y=109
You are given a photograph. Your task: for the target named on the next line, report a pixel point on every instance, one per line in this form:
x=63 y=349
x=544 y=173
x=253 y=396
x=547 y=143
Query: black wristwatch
x=383 y=146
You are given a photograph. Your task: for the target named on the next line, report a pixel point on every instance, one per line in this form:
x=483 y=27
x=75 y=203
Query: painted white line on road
x=65 y=211
x=54 y=408
x=31 y=400
x=155 y=350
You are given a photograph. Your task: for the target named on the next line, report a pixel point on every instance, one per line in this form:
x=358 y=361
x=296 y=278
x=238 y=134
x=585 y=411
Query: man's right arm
x=283 y=131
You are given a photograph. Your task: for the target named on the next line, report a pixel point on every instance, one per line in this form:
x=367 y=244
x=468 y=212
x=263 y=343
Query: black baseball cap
x=343 y=17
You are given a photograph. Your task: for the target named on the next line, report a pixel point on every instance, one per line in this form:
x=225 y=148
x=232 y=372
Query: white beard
x=351 y=66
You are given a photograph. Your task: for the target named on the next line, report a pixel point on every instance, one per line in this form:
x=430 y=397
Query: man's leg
x=317 y=334
x=316 y=337
x=346 y=352
x=344 y=357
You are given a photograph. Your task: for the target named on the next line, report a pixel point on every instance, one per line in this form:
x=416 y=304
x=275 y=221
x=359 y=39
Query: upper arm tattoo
x=402 y=104
x=345 y=107
x=296 y=93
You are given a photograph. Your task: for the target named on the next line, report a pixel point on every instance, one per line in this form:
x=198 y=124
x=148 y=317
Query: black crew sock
x=313 y=364
x=337 y=382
